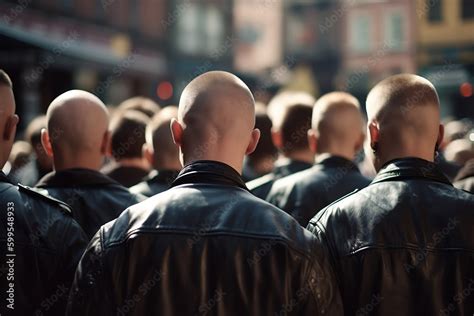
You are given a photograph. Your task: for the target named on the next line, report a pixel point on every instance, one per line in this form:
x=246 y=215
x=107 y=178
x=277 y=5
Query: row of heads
x=217 y=108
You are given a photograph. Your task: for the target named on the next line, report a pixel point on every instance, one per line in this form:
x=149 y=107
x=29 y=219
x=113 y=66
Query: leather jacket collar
x=75 y=177
x=336 y=162
x=409 y=168
x=4 y=178
x=209 y=171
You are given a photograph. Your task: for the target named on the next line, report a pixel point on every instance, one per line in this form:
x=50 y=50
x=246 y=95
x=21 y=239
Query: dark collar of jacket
x=410 y=168
x=285 y=167
x=75 y=177
x=329 y=161
x=209 y=171
x=4 y=178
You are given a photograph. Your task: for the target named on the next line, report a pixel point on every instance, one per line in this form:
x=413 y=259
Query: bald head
x=8 y=118
x=159 y=140
x=77 y=128
x=404 y=116
x=337 y=123
x=217 y=116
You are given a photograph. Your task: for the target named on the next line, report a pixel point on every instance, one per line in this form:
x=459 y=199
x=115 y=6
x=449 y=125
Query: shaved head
x=8 y=118
x=405 y=111
x=338 y=124
x=77 y=125
x=217 y=115
x=160 y=140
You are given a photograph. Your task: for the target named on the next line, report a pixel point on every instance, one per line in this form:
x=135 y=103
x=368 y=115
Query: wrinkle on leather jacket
x=305 y=193
x=404 y=245
x=41 y=246
x=205 y=246
x=95 y=199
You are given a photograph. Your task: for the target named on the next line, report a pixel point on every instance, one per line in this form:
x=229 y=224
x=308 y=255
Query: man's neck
x=63 y=164
x=302 y=155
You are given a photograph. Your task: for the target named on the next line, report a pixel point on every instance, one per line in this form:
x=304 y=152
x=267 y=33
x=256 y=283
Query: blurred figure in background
x=141 y=104
x=202 y=240
x=41 y=163
x=335 y=138
x=453 y=130
x=290 y=113
x=459 y=151
x=262 y=160
x=161 y=152
x=127 y=132
x=78 y=153
x=20 y=156
x=465 y=178
x=403 y=245
x=42 y=243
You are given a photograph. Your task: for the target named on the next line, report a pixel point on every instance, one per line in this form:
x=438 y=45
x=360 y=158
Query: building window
x=467 y=9
x=435 y=10
x=394 y=35
x=200 y=30
x=360 y=33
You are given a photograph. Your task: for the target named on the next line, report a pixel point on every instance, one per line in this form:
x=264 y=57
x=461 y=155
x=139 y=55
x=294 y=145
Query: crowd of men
x=227 y=207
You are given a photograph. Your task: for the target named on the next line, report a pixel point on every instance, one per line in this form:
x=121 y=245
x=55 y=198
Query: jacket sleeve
x=321 y=283
x=88 y=295
x=324 y=278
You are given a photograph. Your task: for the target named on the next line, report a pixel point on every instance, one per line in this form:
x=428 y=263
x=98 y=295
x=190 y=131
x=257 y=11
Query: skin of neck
x=166 y=163
x=85 y=161
x=216 y=154
x=388 y=151
x=264 y=165
x=300 y=155
x=338 y=150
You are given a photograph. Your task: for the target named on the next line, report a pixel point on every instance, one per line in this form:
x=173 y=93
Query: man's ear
x=312 y=140
x=254 y=138
x=439 y=141
x=105 y=147
x=148 y=153
x=46 y=142
x=176 y=132
x=374 y=134
x=277 y=139
x=359 y=145
x=10 y=127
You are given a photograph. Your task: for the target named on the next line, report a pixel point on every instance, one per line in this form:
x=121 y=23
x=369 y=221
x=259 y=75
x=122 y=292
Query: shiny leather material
x=156 y=182
x=404 y=245
x=205 y=246
x=47 y=245
x=305 y=193
x=95 y=199
x=260 y=187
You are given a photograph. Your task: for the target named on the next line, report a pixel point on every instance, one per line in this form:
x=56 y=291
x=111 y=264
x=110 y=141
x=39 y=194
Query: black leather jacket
x=305 y=193
x=404 y=245
x=205 y=246
x=41 y=246
x=156 y=182
x=127 y=176
x=95 y=199
x=260 y=187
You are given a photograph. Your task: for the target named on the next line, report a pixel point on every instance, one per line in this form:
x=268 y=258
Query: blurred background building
x=121 y=48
